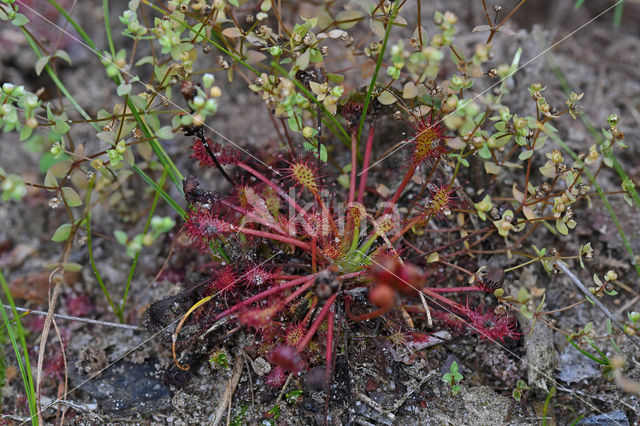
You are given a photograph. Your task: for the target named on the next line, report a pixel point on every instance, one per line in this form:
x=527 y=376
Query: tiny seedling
x=453 y=377
x=293 y=396
x=521 y=388
x=238 y=420
x=219 y=358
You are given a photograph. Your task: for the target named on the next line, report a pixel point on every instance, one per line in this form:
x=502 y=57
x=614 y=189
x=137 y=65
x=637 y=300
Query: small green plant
x=545 y=406
x=632 y=329
x=293 y=396
x=238 y=419
x=19 y=344
x=271 y=416
x=586 y=338
x=453 y=377
x=219 y=358
x=520 y=389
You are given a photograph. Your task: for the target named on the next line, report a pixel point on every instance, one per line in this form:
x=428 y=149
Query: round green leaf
x=20 y=20
x=62 y=233
x=71 y=197
x=165 y=132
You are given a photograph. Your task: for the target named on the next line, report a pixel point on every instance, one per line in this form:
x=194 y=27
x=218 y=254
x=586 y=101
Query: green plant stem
x=152 y=210
x=178 y=209
x=166 y=161
x=545 y=407
x=24 y=366
x=374 y=77
x=103 y=287
x=107 y=27
x=522 y=265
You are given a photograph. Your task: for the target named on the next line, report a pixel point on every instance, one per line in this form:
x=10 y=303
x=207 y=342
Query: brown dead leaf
x=34 y=287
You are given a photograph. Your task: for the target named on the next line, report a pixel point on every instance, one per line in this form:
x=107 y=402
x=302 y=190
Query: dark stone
x=125 y=389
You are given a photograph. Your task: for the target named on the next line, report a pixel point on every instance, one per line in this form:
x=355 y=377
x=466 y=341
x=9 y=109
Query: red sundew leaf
x=288 y=358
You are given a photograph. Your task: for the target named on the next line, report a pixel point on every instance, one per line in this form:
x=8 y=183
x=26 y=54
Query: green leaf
x=293 y=124
x=50 y=180
x=525 y=312
x=234 y=3
x=71 y=266
x=41 y=63
x=62 y=233
x=609 y=327
x=316 y=56
x=25 y=132
x=121 y=237
x=335 y=78
x=20 y=20
x=562 y=227
x=140 y=103
x=323 y=153
x=153 y=122
x=484 y=152
x=61 y=127
x=387 y=98
x=124 y=89
x=71 y=196
x=62 y=55
x=165 y=132
x=525 y=155
x=144 y=60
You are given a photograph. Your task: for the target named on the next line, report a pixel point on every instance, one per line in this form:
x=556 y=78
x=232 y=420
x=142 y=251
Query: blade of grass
x=152 y=210
x=24 y=366
x=107 y=27
x=617 y=15
x=164 y=158
x=545 y=407
x=178 y=209
x=103 y=287
x=587 y=354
